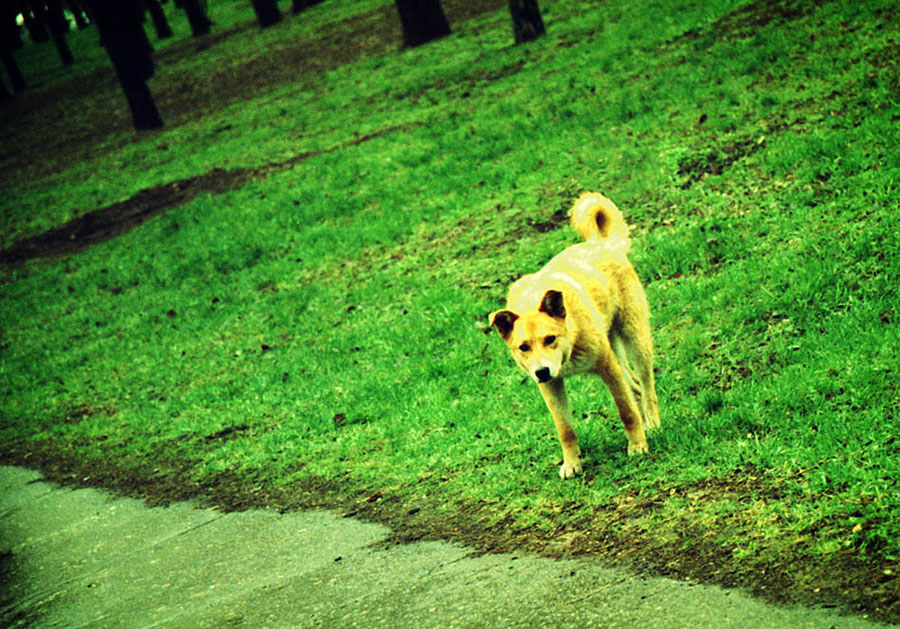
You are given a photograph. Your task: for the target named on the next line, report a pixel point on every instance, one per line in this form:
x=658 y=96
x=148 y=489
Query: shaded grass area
x=316 y=336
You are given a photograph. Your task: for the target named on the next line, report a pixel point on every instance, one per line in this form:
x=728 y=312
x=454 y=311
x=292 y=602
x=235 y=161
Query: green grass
x=330 y=318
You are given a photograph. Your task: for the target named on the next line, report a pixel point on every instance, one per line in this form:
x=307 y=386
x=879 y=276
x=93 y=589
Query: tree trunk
x=59 y=26
x=12 y=69
x=122 y=34
x=527 y=22
x=65 y=53
x=10 y=35
x=423 y=21
x=10 y=40
x=49 y=23
x=143 y=108
x=266 y=12
x=160 y=23
x=37 y=30
x=196 y=17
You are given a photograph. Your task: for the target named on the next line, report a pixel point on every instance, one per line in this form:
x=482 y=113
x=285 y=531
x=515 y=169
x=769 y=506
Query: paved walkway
x=80 y=558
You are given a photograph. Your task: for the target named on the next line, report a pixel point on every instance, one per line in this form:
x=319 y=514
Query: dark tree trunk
x=527 y=22
x=9 y=41
x=143 y=108
x=266 y=12
x=12 y=69
x=160 y=23
x=196 y=16
x=122 y=33
x=59 y=26
x=37 y=30
x=10 y=35
x=423 y=21
x=45 y=21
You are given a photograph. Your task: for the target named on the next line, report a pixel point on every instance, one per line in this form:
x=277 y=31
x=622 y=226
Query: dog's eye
x=549 y=340
x=524 y=348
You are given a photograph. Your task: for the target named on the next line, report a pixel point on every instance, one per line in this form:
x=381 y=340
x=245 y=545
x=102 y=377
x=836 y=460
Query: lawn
x=312 y=329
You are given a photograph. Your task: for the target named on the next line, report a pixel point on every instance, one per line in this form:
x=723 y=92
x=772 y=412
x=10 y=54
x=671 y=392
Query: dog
x=586 y=312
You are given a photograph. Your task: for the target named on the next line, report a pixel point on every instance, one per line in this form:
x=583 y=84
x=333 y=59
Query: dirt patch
x=695 y=167
x=745 y=21
x=614 y=533
x=116 y=219
x=558 y=219
x=717 y=160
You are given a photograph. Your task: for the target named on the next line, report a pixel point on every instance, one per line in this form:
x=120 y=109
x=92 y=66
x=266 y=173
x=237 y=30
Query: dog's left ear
x=552 y=304
x=504 y=320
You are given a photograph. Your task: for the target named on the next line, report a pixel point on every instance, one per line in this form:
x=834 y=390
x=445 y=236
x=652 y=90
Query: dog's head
x=538 y=339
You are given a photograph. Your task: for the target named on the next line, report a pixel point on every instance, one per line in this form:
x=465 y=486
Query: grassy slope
x=326 y=323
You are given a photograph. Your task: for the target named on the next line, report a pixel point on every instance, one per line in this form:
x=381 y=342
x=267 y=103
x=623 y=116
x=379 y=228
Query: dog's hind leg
x=638 y=345
x=554 y=393
x=618 y=345
x=613 y=374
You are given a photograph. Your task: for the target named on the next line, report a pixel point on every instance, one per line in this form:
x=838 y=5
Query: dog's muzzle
x=542 y=374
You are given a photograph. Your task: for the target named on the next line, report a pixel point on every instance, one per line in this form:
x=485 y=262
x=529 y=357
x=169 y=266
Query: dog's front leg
x=554 y=393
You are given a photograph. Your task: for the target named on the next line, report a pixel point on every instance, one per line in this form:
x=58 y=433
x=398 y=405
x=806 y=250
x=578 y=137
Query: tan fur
x=586 y=312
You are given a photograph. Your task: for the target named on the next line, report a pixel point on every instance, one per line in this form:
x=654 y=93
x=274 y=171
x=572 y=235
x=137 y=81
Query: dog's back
x=592 y=270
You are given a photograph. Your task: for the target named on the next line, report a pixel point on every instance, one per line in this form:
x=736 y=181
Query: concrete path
x=80 y=558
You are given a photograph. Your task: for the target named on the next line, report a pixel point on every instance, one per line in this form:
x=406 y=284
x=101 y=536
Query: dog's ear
x=552 y=304
x=504 y=320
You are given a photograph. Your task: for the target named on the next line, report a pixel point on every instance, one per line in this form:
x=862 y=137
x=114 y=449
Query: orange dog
x=586 y=312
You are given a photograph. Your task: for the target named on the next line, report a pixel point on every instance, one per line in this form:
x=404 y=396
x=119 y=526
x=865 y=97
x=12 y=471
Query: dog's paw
x=637 y=448
x=569 y=470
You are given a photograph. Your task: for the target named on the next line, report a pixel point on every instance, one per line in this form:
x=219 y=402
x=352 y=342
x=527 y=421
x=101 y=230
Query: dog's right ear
x=552 y=304
x=504 y=320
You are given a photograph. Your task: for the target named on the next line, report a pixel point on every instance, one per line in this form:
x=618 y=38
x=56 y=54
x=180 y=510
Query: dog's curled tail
x=595 y=217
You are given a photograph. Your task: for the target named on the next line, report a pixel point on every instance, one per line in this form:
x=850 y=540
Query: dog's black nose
x=543 y=374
